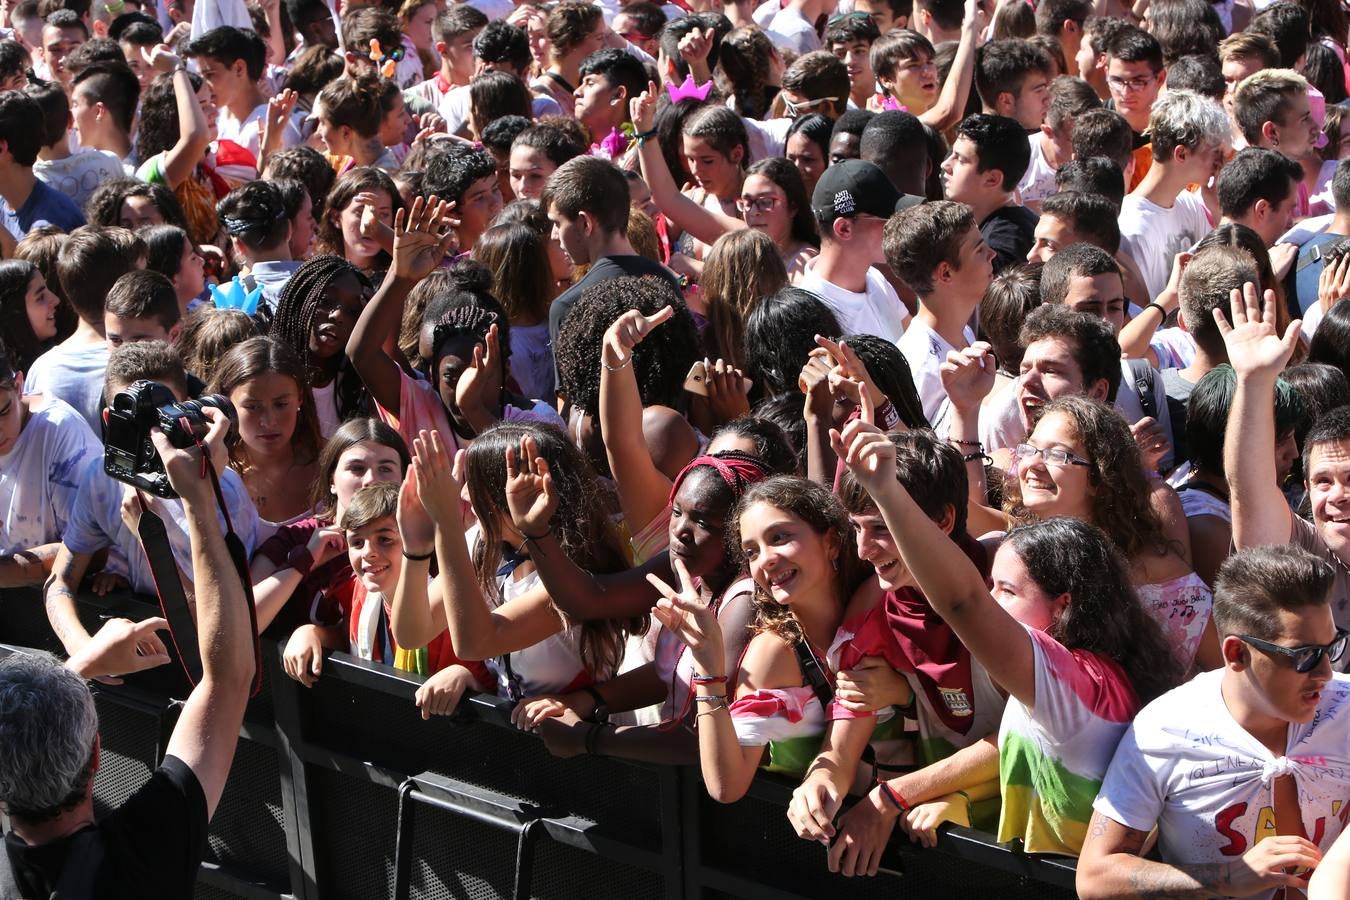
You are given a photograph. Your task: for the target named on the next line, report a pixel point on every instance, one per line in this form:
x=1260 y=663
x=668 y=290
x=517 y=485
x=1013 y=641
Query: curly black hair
x=159 y=128
x=452 y=170
x=104 y=206
x=660 y=362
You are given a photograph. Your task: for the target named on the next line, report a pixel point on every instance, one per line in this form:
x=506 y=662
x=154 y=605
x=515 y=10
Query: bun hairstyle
x=356 y=102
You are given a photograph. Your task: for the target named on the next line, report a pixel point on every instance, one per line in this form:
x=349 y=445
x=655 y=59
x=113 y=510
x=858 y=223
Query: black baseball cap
x=853 y=187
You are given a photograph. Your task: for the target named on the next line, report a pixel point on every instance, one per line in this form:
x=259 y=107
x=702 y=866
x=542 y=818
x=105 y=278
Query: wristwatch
x=600 y=711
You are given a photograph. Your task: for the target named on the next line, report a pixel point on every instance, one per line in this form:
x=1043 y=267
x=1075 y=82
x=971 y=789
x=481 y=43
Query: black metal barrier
x=343 y=791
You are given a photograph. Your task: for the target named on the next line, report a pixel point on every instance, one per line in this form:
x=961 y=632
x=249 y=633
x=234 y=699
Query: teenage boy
x=1288 y=25
x=989 y=157
x=142 y=306
x=458 y=173
x=1134 y=76
x=43 y=450
x=939 y=20
x=136 y=38
x=89 y=263
x=850 y=37
x=1242 y=771
x=1012 y=77
x=1206 y=284
x=851 y=203
x=1063 y=20
x=1083 y=217
x=1308 y=269
x=254 y=217
x=890 y=624
x=586 y=199
x=62 y=33
x=1104 y=133
x=1052 y=143
x=887 y=15
x=894 y=141
x=103 y=103
x=937 y=250
x=640 y=24
x=75 y=174
x=231 y=60
x=1272 y=111
x=1258 y=354
x=97 y=522
x=362 y=617
x=1259 y=188
x=1241 y=54
x=454 y=32
x=1160 y=218
x=609 y=79
x=25 y=200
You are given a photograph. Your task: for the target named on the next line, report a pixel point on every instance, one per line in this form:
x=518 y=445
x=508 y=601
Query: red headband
x=737 y=471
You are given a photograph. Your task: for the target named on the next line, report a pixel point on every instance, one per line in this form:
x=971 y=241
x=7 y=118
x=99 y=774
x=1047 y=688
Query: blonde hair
x=742 y=267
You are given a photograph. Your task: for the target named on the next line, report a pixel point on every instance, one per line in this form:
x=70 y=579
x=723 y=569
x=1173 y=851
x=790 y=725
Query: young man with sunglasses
x=1245 y=770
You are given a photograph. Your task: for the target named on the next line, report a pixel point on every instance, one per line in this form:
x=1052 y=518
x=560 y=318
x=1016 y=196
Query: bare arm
x=193 y=137
x=951 y=102
x=25 y=568
x=946 y=576
x=68 y=571
x=1260 y=514
x=208 y=729
x=642 y=487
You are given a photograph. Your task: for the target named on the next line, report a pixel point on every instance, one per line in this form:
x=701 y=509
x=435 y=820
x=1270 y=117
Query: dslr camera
x=128 y=453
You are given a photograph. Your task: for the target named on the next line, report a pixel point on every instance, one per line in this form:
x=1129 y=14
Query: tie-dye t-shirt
x=40 y=476
x=1186 y=766
x=1051 y=759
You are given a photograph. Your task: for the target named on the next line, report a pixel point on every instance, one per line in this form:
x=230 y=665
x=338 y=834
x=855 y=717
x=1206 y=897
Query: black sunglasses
x=1305 y=658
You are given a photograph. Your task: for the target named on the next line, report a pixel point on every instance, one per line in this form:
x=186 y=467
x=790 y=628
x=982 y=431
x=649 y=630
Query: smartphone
x=696 y=382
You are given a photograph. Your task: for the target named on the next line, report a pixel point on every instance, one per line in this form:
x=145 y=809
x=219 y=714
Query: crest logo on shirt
x=843 y=203
x=958 y=704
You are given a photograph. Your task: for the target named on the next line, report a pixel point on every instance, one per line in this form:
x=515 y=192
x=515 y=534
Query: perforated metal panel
x=248 y=830
x=127 y=755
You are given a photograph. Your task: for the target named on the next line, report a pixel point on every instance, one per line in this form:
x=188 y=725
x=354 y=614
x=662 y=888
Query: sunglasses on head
x=1306 y=658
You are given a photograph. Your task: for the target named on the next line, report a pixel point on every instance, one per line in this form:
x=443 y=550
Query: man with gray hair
x=1160 y=218
x=152 y=845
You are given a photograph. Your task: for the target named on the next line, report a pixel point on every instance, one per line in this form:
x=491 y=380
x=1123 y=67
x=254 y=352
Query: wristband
x=709 y=679
x=893 y=796
x=418 y=557
x=644 y=135
x=301 y=560
x=537 y=537
x=1159 y=307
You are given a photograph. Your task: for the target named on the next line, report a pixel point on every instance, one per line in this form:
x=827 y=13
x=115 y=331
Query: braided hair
x=293 y=322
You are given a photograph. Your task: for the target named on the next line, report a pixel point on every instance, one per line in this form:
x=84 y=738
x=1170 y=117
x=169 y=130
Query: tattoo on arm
x=1155 y=881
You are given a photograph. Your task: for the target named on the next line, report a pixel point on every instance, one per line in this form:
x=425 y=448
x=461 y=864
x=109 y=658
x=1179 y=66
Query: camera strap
x=169 y=586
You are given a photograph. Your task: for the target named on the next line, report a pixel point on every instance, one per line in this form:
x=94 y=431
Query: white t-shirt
x=72 y=374
x=80 y=173
x=876 y=310
x=40 y=476
x=1188 y=767
x=1039 y=181
x=1152 y=235
x=96 y=523
x=789 y=30
x=325 y=405
x=768 y=137
x=765 y=12
x=925 y=350
x=248 y=133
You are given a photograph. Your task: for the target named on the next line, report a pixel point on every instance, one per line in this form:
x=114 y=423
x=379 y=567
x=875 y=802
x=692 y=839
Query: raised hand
x=869 y=455
x=326 y=544
x=627 y=332
x=848 y=364
x=696 y=45
x=436 y=485
x=279 y=109
x=968 y=375
x=1333 y=285
x=415 y=525
x=1255 y=347
x=685 y=614
x=530 y=497
x=161 y=58
x=728 y=390
x=642 y=108
x=478 y=391
x=1152 y=441
x=422 y=238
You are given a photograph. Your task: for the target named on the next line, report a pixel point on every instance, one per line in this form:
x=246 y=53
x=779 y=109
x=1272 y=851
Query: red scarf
x=941 y=662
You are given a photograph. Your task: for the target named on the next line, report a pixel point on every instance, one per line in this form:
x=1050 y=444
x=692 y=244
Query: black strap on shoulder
x=1142 y=373
x=814 y=674
x=173 y=602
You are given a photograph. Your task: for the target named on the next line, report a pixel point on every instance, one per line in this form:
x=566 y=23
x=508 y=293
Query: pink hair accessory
x=689 y=90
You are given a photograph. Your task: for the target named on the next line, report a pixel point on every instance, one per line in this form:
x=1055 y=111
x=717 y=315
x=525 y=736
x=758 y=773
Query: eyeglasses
x=1053 y=456
x=1130 y=84
x=848 y=17
x=796 y=109
x=767 y=203
x=1306 y=658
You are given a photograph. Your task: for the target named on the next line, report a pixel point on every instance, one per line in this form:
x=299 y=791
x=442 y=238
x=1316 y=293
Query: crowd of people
x=941 y=403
